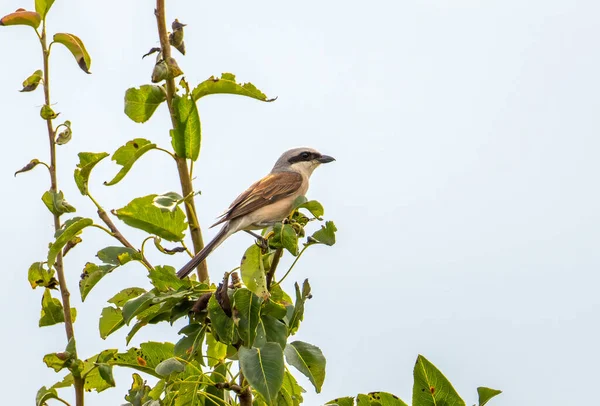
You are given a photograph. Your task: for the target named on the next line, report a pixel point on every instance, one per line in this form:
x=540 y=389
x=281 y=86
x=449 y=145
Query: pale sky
x=465 y=189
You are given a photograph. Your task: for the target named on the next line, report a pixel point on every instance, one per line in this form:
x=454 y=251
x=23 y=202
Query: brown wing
x=269 y=189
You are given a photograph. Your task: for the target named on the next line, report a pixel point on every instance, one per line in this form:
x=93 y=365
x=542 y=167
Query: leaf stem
x=182 y=166
x=293 y=264
x=64 y=291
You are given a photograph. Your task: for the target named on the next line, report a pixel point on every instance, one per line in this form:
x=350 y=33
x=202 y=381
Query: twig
x=182 y=166
x=271 y=273
x=245 y=395
x=64 y=291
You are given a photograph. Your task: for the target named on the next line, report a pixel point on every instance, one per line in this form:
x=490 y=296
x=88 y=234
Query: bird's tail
x=201 y=256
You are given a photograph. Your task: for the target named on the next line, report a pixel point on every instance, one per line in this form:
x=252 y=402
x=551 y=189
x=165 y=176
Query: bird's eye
x=305 y=155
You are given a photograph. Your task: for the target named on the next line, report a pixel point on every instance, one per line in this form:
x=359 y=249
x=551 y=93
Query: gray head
x=303 y=160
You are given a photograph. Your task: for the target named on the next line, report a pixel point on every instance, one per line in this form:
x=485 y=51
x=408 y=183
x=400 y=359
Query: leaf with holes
x=263 y=369
x=75 y=45
x=227 y=84
x=38 y=275
x=127 y=155
x=141 y=103
x=253 y=272
x=143 y=214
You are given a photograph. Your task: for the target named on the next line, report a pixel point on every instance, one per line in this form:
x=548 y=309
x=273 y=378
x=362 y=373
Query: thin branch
x=62 y=282
x=182 y=166
x=245 y=395
x=271 y=273
x=293 y=264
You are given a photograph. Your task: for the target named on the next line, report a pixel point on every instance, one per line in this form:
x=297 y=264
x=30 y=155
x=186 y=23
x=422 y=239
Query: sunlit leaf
x=39 y=275
x=69 y=229
x=141 y=103
x=186 y=136
x=127 y=155
x=87 y=161
x=164 y=279
x=285 y=236
x=91 y=275
x=125 y=295
x=431 y=387
x=47 y=113
x=227 y=84
x=216 y=351
x=75 y=45
x=118 y=255
x=111 y=320
x=345 y=401
x=65 y=135
x=167 y=201
x=43 y=6
x=56 y=203
x=52 y=311
x=22 y=17
x=143 y=214
x=298 y=314
x=485 y=394
x=290 y=393
x=253 y=272
x=246 y=313
x=263 y=369
x=307 y=359
x=33 y=81
x=93 y=379
x=44 y=394
x=315 y=208
x=134 y=307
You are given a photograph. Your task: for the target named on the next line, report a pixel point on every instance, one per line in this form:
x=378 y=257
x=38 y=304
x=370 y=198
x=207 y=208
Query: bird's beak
x=323 y=159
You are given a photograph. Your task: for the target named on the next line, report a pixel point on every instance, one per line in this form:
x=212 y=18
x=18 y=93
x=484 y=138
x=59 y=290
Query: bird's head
x=302 y=160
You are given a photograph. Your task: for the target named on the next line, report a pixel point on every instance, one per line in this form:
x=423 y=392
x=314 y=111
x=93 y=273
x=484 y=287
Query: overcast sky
x=465 y=189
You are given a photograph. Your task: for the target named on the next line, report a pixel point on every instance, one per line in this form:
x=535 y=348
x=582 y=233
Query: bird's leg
x=260 y=240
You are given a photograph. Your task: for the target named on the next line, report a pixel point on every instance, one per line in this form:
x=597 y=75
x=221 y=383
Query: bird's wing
x=268 y=190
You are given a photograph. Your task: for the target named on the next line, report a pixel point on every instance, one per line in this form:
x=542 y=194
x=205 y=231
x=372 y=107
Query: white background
x=465 y=188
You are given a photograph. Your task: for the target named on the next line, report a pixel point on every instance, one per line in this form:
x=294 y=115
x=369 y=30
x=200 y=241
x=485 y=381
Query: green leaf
x=139 y=393
x=363 y=400
x=431 y=387
x=143 y=214
x=298 y=314
x=164 y=279
x=263 y=369
x=190 y=346
x=110 y=321
x=125 y=295
x=52 y=311
x=253 y=272
x=75 y=45
x=146 y=358
x=385 y=399
x=169 y=366
x=315 y=208
x=44 y=395
x=43 y=6
x=56 y=203
x=290 y=393
x=187 y=135
x=65 y=135
x=309 y=360
x=141 y=103
x=118 y=255
x=345 y=401
x=285 y=236
x=275 y=330
x=38 y=275
x=127 y=155
x=246 y=313
x=33 y=81
x=93 y=379
x=91 y=275
x=167 y=201
x=326 y=235
x=22 y=17
x=218 y=375
x=221 y=323
x=215 y=350
x=47 y=113
x=485 y=394
x=87 y=161
x=57 y=361
x=134 y=307
x=227 y=84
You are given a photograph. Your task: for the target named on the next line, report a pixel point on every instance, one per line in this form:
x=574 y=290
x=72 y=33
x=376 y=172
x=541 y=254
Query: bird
x=265 y=202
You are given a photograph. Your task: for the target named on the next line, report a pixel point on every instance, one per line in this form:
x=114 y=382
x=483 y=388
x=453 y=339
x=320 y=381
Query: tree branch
x=271 y=273
x=64 y=290
x=182 y=166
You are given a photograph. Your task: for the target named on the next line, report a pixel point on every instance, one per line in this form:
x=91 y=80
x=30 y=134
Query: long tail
x=208 y=248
